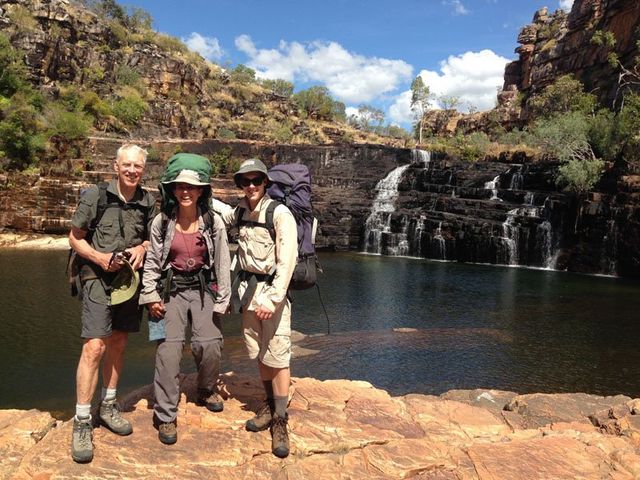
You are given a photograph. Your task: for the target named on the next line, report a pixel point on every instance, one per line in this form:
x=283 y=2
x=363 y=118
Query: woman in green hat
x=186 y=274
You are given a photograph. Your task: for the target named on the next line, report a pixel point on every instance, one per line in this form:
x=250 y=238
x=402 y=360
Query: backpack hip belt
x=252 y=279
x=173 y=281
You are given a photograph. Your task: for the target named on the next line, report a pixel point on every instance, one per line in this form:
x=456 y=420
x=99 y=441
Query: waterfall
x=510 y=238
x=609 y=252
x=528 y=199
x=517 y=179
x=379 y=221
x=493 y=186
x=415 y=240
x=420 y=157
x=439 y=244
x=545 y=239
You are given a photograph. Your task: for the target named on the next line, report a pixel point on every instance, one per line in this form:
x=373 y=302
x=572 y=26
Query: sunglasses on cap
x=256 y=181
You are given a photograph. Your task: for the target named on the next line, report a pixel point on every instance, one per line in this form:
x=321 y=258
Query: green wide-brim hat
x=124 y=285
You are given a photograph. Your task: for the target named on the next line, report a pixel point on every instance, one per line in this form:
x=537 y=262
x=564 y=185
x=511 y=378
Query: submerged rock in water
x=347 y=429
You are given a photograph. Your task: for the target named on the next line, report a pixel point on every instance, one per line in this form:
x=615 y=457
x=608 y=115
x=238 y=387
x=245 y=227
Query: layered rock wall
x=505 y=211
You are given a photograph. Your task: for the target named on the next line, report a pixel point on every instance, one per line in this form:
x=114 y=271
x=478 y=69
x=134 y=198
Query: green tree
x=420 y=102
x=564 y=95
x=449 y=102
x=279 y=86
x=21 y=137
x=13 y=72
x=628 y=75
x=368 y=118
x=130 y=108
x=566 y=138
x=316 y=102
x=579 y=176
x=243 y=75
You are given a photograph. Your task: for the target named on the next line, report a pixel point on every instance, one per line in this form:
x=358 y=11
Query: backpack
x=75 y=263
x=291 y=186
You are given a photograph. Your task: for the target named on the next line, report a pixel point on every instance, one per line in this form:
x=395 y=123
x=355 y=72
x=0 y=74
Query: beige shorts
x=269 y=341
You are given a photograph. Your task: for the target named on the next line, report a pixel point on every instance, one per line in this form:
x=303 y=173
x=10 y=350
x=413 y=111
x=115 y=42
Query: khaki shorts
x=269 y=341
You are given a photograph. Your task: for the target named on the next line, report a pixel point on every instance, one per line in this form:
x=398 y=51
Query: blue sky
x=363 y=51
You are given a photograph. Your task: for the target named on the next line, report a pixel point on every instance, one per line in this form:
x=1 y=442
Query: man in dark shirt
x=98 y=231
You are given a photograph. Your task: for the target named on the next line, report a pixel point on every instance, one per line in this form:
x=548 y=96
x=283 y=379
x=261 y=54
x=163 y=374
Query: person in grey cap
x=186 y=281
x=265 y=264
x=110 y=223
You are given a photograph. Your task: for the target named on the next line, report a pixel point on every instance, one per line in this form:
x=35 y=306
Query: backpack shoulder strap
x=102 y=205
x=268 y=219
x=238 y=214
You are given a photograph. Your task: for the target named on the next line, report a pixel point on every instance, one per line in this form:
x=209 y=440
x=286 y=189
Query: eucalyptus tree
x=420 y=103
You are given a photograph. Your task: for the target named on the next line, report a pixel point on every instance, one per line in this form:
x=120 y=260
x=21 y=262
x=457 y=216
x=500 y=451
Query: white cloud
x=400 y=111
x=349 y=77
x=352 y=112
x=458 y=7
x=474 y=77
x=566 y=5
x=208 y=47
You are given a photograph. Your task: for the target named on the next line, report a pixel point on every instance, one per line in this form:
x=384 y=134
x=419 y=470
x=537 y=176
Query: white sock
x=83 y=411
x=108 y=394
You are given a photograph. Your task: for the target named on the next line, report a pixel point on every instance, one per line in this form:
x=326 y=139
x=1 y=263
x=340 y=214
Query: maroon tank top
x=187 y=252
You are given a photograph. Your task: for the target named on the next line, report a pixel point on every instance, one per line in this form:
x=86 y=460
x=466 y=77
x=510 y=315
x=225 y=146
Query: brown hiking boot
x=211 y=400
x=280 y=436
x=262 y=419
x=167 y=433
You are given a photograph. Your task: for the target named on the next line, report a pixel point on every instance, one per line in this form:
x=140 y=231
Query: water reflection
x=469 y=326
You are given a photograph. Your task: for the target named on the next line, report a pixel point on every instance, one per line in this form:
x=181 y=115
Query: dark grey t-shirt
x=121 y=226
x=115 y=231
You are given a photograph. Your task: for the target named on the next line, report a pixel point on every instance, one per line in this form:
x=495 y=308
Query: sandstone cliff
x=343 y=429
x=556 y=44
x=67 y=45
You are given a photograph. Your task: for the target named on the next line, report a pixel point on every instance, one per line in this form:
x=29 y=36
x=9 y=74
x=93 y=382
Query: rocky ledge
x=26 y=241
x=347 y=429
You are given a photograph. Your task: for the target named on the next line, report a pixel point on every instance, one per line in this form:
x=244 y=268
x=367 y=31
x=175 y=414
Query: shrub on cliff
x=21 y=136
x=316 y=102
x=565 y=137
x=565 y=95
x=279 y=87
x=579 y=176
x=129 y=108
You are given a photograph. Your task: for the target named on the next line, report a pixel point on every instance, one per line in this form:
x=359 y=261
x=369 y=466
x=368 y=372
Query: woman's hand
x=156 y=309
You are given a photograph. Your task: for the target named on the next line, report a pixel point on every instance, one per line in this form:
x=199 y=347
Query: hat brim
x=190 y=182
x=124 y=285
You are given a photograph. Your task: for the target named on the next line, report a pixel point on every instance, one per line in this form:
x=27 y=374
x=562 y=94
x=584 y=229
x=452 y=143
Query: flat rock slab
x=344 y=430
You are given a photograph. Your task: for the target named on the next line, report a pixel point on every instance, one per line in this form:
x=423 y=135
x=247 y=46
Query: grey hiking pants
x=184 y=307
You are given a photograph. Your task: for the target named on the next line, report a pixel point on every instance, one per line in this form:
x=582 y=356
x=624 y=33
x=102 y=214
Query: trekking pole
x=324 y=309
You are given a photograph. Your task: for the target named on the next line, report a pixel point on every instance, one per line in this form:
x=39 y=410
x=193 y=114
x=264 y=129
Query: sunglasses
x=256 y=181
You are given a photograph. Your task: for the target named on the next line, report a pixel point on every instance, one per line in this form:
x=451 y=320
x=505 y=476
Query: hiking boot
x=262 y=419
x=279 y=436
x=211 y=400
x=111 y=418
x=81 y=440
x=167 y=433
